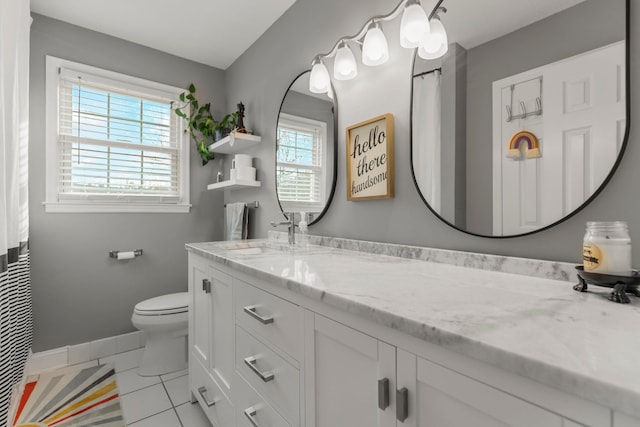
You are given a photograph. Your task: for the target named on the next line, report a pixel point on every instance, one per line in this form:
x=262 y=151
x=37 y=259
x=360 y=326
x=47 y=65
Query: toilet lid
x=164 y=304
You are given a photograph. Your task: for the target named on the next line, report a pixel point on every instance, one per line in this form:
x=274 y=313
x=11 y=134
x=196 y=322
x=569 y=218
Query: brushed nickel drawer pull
x=402 y=404
x=264 y=376
x=251 y=311
x=250 y=412
x=201 y=391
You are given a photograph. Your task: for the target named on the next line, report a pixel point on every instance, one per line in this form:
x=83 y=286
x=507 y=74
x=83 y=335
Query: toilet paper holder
x=114 y=254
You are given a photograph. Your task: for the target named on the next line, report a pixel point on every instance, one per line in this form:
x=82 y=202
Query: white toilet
x=164 y=322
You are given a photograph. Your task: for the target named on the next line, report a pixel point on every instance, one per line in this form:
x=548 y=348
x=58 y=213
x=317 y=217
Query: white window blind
x=115 y=141
x=300 y=164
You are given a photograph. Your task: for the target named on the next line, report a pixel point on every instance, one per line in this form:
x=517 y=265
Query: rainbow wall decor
x=532 y=148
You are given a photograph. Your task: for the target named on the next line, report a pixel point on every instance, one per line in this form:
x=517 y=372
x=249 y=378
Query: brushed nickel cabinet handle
x=250 y=413
x=206 y=286
x=383 y=393
x=251 y=311
x=201 y=391
x=402 y=404
x=264 y=376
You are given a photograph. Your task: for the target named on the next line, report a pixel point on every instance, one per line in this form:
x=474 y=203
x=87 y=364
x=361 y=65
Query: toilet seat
x=163 y=305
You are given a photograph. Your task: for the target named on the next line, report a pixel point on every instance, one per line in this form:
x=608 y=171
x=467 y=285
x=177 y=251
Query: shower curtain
x=426 y=137
x=15 y=285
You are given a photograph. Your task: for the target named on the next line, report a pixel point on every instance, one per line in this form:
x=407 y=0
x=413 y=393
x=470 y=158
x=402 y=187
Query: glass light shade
x=414 y=26
x=344 y=66
x=436 y=43
x=424 y=54
x=319 y=81
x=375 y=50
x=330 y=93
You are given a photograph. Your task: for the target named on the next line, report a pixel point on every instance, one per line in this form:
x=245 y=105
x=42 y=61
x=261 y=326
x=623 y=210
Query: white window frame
x=308 y=206
x=97 y=203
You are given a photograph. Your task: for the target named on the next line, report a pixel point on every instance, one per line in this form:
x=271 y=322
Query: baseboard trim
x=80 y=353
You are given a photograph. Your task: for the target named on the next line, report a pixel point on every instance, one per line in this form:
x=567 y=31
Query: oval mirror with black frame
x=306 y=147
x=525 y=118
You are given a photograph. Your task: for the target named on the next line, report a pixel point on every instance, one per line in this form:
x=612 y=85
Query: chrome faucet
x=292 y=227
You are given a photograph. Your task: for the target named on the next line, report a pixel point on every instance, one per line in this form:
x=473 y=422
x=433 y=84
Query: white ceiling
x=212 y=32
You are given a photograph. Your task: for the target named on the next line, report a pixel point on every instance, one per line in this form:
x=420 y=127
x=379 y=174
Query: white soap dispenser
x=303 y=239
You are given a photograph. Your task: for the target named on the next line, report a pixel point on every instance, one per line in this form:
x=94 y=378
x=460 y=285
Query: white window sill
x=55 y=207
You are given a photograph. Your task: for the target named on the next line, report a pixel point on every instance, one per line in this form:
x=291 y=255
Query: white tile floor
x=160 y=401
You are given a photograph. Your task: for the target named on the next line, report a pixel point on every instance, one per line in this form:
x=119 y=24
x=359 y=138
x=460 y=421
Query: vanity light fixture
x=415 y=31
x=436 y=43
x=344 y=66
x=319 y=81
x=375 y=50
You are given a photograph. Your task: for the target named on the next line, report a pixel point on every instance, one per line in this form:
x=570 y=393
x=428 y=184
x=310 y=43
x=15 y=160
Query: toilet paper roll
x=126 y=255
x=246 y=173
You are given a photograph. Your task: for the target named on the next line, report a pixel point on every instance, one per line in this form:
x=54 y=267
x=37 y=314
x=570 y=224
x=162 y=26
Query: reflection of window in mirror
x=301 y=163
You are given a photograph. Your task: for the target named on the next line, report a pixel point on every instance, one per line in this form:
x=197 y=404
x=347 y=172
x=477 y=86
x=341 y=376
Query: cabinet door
x=439 y=397
x=222 y=329
x=622 y=420
x=343 y=369
x=199 y=311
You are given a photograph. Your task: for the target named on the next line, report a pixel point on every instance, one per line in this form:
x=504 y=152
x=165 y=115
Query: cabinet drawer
x=213 y=401
x=270 y=375
x=252 y=410
x=271 y=318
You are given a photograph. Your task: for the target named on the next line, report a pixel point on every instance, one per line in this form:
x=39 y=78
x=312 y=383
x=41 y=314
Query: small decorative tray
x=621 y=284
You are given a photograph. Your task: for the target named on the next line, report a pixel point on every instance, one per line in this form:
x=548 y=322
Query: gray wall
x=552 y=39
x=261 y=76
x=79 y=294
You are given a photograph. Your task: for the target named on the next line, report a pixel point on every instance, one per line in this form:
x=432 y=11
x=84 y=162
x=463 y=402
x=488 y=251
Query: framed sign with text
x=370 y=159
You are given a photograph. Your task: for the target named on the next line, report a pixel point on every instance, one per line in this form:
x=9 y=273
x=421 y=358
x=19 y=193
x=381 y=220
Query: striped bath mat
x=70 y=397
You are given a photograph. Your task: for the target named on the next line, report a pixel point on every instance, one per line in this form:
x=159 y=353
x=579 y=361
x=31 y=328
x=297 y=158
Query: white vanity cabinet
x=355 y=379
x=269 y=354
x=211 y=339
x=264 y=355
x=350 y=376
x=438 y=396
x=622 y=420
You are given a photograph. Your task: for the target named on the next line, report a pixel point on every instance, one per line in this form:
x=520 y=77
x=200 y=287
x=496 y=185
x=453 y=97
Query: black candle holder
x=621 y=284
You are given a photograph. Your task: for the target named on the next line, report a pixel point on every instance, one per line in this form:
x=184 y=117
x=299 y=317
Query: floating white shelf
x=233 y=184
x=233 y=143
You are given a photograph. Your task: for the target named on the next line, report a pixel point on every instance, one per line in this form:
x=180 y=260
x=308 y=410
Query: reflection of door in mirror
x=580 y=133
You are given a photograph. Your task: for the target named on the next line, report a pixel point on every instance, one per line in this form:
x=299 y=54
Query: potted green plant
x=201 y=125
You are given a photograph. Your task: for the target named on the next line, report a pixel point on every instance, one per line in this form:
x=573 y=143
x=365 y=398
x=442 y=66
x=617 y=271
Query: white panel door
x=580 y=134
x=343 y=370
x=439 y=397
x=584 y=118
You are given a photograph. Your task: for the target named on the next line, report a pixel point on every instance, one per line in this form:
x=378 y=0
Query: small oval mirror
x=306 y=145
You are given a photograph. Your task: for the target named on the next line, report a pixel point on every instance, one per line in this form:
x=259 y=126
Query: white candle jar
x=606 y=248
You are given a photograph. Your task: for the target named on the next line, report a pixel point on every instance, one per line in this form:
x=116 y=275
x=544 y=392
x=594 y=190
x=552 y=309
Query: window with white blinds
x=118 y=141
x=300 y=163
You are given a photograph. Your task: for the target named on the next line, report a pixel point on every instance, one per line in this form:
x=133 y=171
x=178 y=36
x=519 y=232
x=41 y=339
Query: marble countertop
x=536 y=327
